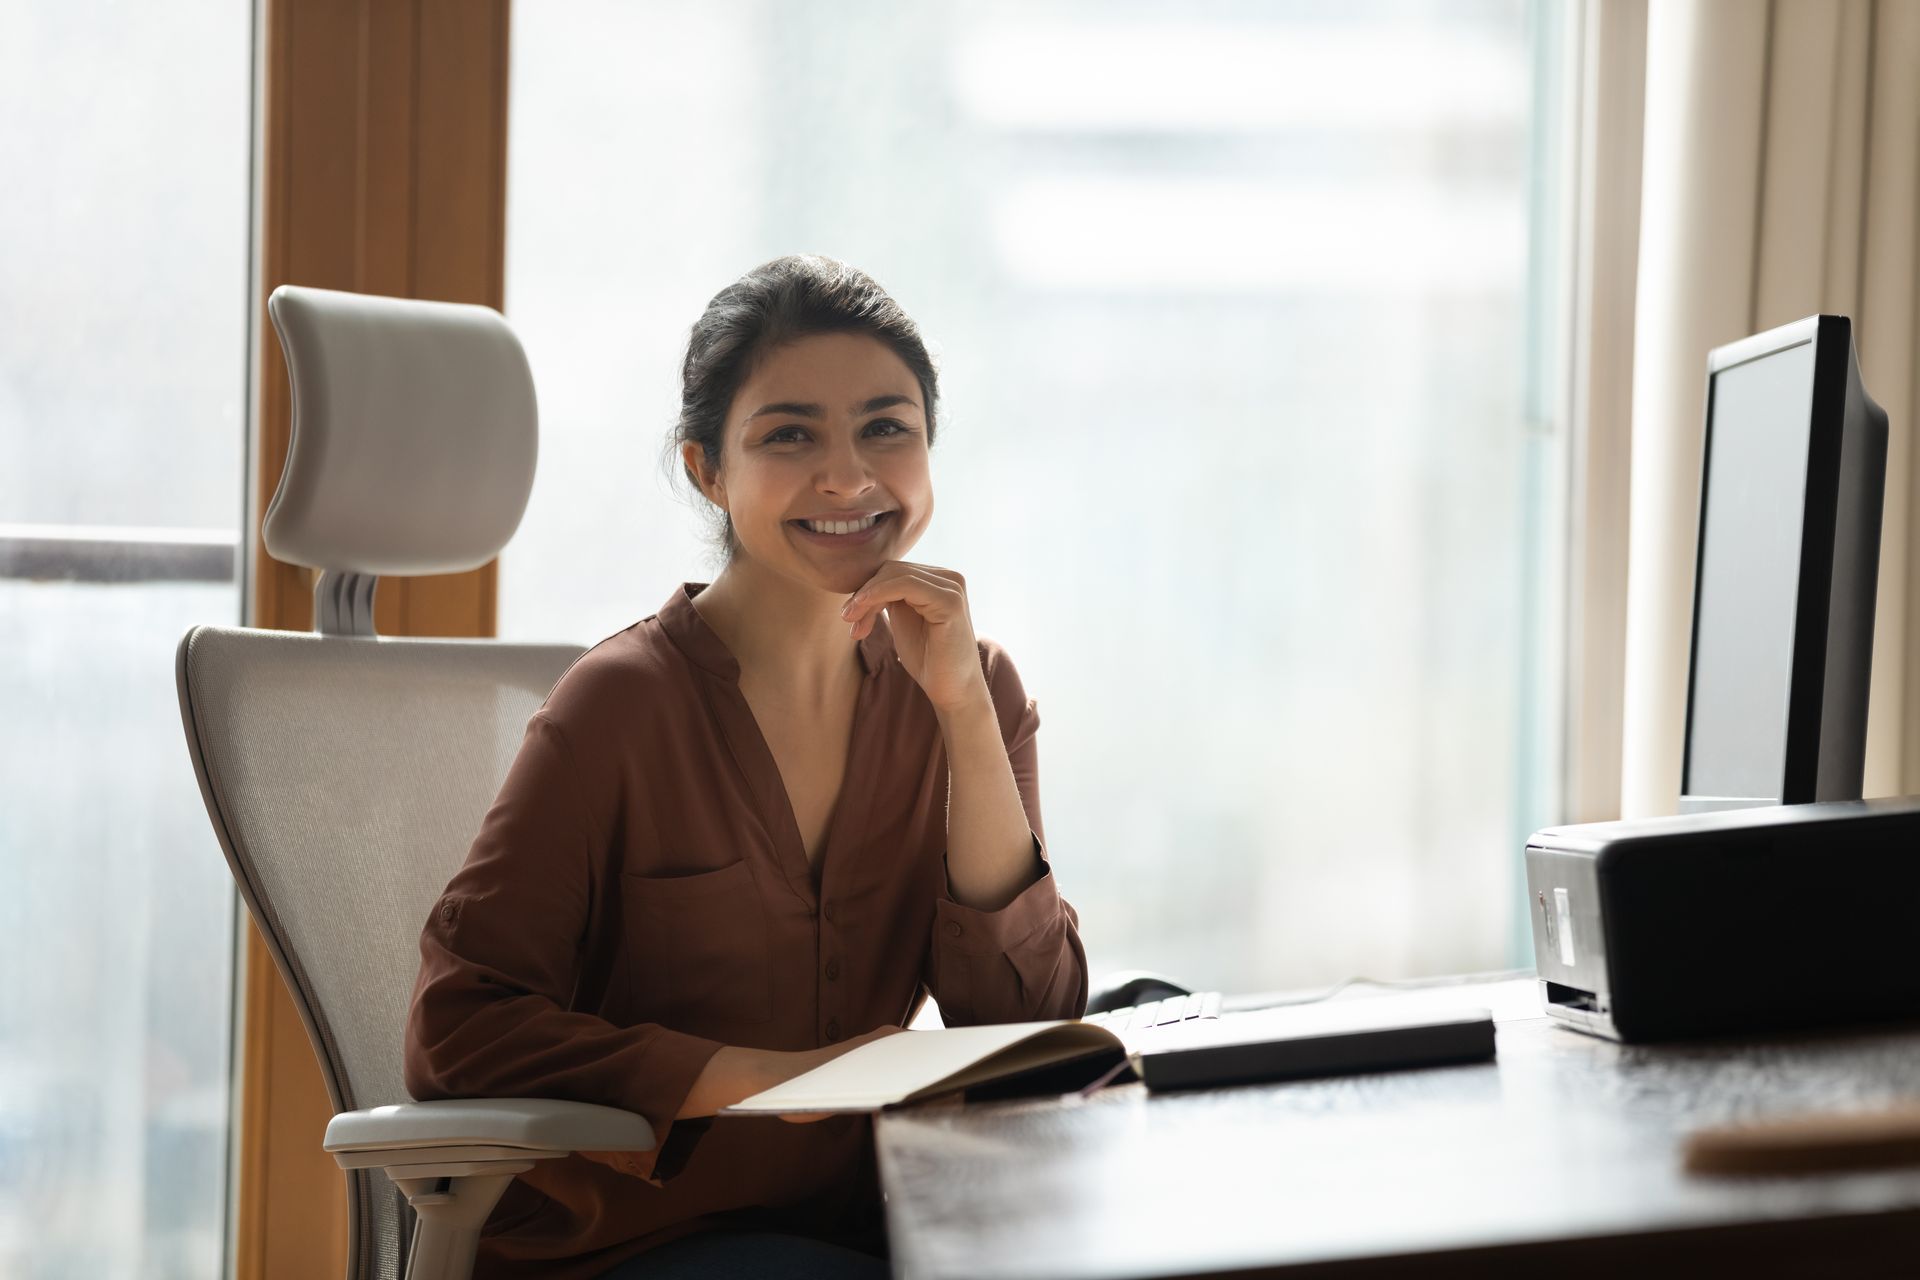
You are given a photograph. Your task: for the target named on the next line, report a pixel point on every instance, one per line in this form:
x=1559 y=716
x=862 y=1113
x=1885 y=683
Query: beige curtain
x=1781 y=170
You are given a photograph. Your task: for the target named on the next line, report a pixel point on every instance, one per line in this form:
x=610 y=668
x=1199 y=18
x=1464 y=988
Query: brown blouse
x=638 y=896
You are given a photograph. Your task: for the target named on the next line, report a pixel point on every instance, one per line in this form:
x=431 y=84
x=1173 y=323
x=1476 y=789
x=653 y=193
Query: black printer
x=1733 y=922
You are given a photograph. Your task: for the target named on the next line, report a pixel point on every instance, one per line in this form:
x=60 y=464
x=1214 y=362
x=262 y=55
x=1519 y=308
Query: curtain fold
x=1781 y=167
x=1612 y=96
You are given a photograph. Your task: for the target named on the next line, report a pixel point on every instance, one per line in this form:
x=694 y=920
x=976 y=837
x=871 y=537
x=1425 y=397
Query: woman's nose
x=847 y=472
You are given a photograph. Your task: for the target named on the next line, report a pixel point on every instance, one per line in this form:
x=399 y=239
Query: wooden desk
x=1559 y=1158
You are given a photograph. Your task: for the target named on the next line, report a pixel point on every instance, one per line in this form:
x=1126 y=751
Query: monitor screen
x=1749 y=569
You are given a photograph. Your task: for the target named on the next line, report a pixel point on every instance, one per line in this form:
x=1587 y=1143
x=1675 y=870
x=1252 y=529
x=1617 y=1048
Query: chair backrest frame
x=339 y=855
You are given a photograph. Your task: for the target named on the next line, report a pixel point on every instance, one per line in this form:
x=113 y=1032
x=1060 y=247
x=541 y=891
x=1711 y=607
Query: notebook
x=1030 y=1058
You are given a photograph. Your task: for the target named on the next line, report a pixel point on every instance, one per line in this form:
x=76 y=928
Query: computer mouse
x=1129 y=987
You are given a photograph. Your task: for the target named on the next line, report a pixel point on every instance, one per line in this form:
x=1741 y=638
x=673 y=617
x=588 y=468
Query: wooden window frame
x=382 y=160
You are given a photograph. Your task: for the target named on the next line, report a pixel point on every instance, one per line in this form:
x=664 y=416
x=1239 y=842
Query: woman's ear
x=695 y=460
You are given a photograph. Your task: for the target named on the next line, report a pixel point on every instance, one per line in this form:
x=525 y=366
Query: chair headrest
x=414 y=434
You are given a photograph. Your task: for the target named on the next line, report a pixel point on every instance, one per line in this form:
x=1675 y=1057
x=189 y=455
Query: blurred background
x=1272 y=273
x=1286 y=349
x=1245 y=451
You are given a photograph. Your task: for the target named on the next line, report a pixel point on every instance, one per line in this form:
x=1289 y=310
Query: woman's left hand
x=932 y=631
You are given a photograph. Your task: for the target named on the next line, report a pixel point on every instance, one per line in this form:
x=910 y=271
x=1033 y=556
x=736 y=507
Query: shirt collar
x=703 y=647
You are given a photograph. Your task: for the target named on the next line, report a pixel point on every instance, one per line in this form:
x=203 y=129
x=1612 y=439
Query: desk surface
x=1563 y=1138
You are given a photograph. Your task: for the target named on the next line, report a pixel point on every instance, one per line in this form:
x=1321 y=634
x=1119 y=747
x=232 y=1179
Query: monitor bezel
x=1832 y=340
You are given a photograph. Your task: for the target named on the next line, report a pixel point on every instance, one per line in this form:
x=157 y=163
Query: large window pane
x=123 y=359
x=1243 y=453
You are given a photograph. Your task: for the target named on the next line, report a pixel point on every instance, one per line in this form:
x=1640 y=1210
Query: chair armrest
x=453 y=1159
x=480 y=1130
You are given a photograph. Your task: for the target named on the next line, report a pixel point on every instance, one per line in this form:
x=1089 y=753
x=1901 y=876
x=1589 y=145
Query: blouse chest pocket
x=698 y=948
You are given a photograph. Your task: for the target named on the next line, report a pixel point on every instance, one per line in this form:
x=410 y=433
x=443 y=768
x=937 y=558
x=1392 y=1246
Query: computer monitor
x=1786 y=570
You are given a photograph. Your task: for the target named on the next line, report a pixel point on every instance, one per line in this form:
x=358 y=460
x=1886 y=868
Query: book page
x=917 y=1064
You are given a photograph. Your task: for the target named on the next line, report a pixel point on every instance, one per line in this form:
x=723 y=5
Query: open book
x=913 y=1066
x=1024 y=1059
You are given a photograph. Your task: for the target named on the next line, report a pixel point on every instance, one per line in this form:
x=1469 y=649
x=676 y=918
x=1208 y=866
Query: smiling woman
x=793 y=323
x=808 y=408
x=1252 y=330
x=764 y=825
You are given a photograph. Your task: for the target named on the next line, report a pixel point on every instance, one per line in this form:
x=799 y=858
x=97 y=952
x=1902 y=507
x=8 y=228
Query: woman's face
x=829 y=423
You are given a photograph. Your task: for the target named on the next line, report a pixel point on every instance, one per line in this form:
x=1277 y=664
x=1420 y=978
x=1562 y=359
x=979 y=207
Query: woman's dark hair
x=771 y=305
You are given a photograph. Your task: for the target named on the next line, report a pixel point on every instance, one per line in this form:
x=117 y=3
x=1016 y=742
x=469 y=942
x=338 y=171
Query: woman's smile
x=846 y=540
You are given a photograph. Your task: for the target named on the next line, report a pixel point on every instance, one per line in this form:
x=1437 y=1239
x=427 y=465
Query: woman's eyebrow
x=798 y=410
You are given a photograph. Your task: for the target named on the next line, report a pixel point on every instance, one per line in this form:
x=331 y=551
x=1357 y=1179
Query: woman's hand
x=819 y=1057
x=932 y=630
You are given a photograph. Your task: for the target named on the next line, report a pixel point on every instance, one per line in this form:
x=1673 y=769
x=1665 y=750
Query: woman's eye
x=781 y=437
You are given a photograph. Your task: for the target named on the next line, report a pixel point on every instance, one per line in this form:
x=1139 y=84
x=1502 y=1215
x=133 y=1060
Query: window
x=123 y=385
x=1246 y=316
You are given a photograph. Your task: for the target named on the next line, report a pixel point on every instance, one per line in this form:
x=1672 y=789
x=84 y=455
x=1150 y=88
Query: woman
x=753 y=830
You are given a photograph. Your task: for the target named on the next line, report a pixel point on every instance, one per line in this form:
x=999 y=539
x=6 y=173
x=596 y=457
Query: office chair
x=346 y=773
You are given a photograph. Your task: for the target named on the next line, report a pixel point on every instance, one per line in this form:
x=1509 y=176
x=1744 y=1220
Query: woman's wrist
x=732 y=1075
x=736 y=1072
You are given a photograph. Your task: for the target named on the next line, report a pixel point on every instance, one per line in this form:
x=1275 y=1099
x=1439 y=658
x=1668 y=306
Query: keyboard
x=1159 y=1013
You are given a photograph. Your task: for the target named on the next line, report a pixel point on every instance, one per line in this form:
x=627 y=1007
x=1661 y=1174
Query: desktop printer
x=1731 y=922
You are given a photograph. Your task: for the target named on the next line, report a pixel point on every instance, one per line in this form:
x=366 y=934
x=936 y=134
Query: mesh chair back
x=347 y=778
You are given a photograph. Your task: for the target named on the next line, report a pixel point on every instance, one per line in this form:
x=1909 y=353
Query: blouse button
x=833 y=968
x=833 y=1028
x=446 y=913
x=953 y=928
x=827 y=911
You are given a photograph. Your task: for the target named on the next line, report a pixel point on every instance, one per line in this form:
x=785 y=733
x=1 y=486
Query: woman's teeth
x=835 y=527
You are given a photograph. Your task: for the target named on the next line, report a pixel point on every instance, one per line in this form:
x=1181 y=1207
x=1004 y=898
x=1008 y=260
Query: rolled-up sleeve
x=1024 y=962
x=498 y=961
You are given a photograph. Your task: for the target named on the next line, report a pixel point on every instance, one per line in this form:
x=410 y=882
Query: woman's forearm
x=736 y=1073
x=990 y=856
